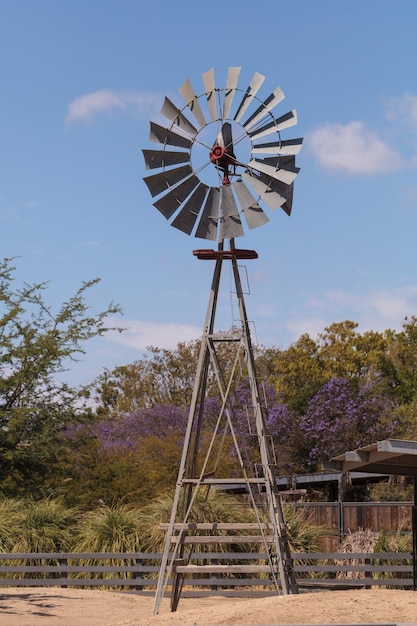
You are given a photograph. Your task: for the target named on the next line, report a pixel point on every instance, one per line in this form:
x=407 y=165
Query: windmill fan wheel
x=216 y=174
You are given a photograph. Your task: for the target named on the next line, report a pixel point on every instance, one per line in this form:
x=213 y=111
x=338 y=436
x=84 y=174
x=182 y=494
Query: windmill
x=208 y=187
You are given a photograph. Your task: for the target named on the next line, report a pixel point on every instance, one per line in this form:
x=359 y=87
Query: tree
x=290 y=446
x=130 y=459
x=340 y=351
x=163 y=377
x=346 y=353
x=399 y=363
x=342 y=417
x=296 y=373
x=35 y=346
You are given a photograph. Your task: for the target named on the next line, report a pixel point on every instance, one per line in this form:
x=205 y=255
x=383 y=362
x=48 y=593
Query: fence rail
x=213 y=570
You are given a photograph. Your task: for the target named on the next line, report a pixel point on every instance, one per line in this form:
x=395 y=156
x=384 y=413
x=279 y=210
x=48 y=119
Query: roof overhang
x=390 y=456
x=324 y=479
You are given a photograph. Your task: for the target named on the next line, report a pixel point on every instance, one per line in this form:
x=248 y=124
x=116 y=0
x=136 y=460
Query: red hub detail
x=216 y=153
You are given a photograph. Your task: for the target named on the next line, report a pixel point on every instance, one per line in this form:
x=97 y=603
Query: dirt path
x=77 y=607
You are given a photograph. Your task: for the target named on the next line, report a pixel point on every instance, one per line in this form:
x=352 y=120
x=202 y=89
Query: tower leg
x=282 y=554
x=190 y=448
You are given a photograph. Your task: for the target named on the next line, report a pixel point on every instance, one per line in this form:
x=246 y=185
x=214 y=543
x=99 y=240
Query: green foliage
x=220 y=507
x=35 y=527
x=129 y=474
x=346 y=353
x=394 y=542
x=399 y=363
x=49 y=526
x=109 y=529
x=112 y=529
x=303 y=534
x=163 y=377
x=299 y=372
x=35 y=346
x=377 y=368
x=395 y=489
x=44 y=526
x=405 y=415
x=296 y=373
x=10 y=523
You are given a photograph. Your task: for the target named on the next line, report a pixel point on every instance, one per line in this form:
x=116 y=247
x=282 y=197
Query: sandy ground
x=77 y=607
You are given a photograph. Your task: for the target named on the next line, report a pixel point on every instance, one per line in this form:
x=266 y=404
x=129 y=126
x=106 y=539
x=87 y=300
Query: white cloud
x=375 y=310
x=385 y=308
x=86 y=107
x=393 y=306
x=403 y=110
x=402 y=113
x=306 y=325
x=351 y=148
x=140 y=335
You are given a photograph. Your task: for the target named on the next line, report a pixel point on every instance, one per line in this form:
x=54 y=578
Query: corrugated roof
x=390 y=456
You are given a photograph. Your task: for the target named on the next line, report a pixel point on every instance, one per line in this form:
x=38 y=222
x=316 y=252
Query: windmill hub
x=217 y=153
x=223 y=158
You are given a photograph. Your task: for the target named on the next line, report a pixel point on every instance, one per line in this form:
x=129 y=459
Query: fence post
x=138 y=574
x=341 y=521
x=368 y=573
x=213 y=562
x=62 y=563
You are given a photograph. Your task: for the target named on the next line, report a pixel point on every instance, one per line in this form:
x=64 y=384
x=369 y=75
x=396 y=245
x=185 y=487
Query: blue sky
x=81 y=80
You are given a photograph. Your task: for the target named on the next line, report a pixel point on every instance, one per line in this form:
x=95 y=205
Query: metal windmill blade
x=225 y=192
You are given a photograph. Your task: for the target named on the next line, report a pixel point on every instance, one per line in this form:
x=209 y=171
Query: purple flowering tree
x=161 y=421
x=282 y=425
x=342 y=417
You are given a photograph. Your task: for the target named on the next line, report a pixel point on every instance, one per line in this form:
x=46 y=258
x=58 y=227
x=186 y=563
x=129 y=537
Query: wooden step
x=217 y=526
x=222 y=569
x=207 y=480
x=224 y=539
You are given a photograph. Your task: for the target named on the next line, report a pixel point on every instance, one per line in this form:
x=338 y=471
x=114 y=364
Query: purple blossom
x=128 y=432
x=341 y=418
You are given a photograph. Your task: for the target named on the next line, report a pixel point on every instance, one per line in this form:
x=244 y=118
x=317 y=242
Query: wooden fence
x=222 y=571
x=341 y=518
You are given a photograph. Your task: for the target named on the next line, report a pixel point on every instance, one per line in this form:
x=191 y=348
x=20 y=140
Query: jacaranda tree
x=343 y=417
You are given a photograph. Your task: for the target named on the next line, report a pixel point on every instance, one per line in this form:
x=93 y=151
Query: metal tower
x=198 y=472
